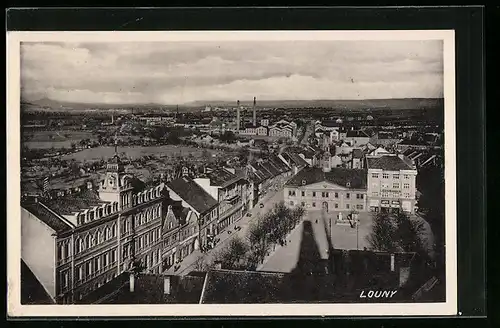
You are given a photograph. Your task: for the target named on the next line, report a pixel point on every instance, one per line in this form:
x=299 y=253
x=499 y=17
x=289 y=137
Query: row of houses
x=77 y=243
x=282 y=128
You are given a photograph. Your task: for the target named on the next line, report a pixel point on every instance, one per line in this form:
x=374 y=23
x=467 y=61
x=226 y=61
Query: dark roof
x=75 y=202
x=279 y=163
x=270 y=168
x=221 y=177
x=32 y=291
x=193 y=194
x=228 y=286
x=149 y=289
x=354 y=177
x=357 y=153
x=251 y=126
x=356 y=134
x=46 y=216
x=330 y=124
x=388 y=162
x=294 y=158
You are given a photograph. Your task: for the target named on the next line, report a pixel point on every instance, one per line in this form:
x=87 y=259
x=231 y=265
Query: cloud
x=177 y=72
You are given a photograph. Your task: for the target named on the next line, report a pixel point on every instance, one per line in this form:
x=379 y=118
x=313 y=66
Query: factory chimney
x=238 y=119
x=254 y=113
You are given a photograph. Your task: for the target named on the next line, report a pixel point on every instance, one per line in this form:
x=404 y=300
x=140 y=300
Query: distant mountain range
x=407 y=103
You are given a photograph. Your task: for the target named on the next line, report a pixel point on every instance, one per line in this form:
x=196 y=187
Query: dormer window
x=304 y=182
x=348 y=184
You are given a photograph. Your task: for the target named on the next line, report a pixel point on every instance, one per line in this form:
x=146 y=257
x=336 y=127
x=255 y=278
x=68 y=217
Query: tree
x=397 y=233
x=233 y=255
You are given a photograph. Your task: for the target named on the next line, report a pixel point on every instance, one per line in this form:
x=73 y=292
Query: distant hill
x=408 y=103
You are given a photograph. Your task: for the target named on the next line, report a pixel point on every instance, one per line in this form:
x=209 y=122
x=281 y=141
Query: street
x=270 y=199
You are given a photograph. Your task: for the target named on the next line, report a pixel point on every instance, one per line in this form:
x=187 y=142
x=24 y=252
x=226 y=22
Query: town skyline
x=183 y=73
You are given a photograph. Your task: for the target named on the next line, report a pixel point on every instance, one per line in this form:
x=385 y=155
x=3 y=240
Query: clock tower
x=117 y=185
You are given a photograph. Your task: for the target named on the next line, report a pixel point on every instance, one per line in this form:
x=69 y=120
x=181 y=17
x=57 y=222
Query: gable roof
x=388 y=162
x=222 y=178
x=193 y=194
x=349 y=178
x=47 y=217
x=356 y=134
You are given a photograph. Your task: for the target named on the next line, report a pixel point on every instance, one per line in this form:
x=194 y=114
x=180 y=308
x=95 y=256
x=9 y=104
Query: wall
x=334 y=203
x=38 y=250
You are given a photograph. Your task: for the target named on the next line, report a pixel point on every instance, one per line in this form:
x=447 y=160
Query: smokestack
x=254 y=113
x=238 y=120
x=166 y=285
x=132 y=282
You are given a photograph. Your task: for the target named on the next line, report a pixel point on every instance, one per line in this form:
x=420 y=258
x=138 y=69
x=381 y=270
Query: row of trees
x=263 y=235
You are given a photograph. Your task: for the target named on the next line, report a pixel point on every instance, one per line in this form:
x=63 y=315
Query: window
x=406 y=186
x=65 y=279
x=347 y=195
x=88 y=241
x=375 y=193
x=303 y=193
x=395 y=176
x=359 y=196
x=395 y=185
x=375 y=175
x=88 y=268
x=291 y=202
x=406 y=176
x=347 y=206
x=80 y=272
x=291 y=192
x=313 y=204
x=385 y=176
x=359 y=207
x=336 y=205
x=314 y=194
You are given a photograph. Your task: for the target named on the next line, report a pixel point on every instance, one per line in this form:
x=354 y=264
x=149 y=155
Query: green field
x=135 y=152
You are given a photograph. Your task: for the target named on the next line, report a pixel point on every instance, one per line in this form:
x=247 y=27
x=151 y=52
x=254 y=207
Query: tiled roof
x=32 y=291
x=46 y=216
x=357 y=153
x=270 y=168
x=230 y=287
x=75 y=202
x=193 y=194
x=388 y=162
x=222 y=178
x=356 y=134
x=149 y=289
x=354 y=177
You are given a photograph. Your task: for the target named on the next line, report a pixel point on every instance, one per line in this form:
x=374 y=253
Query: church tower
x=117 y=185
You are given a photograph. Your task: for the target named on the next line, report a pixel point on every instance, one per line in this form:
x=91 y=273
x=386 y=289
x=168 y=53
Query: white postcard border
x=15 y=309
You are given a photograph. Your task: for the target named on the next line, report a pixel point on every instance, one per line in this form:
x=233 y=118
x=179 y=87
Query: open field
x=137 y=152
x=56 y=139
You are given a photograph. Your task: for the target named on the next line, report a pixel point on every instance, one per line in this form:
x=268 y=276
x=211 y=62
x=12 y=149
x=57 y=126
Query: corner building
x=76 y=244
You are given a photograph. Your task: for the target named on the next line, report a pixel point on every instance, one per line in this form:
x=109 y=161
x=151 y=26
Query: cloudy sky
x=177 y=73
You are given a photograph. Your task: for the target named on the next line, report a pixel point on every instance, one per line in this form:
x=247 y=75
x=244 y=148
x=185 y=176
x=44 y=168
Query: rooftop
x=46 y=216
x=356 y=134
x=149 y=289
x=349 y=178
x=222 y=178
x=388 y=163
x=193 y=194
x=75 y=202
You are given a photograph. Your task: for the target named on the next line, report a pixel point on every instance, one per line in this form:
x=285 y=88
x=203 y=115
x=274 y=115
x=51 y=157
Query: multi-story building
x=77 y=243
x=261 y=130
x=202 y=213
x=337 y=190
x=264 y=122
x=391 y=183
x=357 y=138
x=230 y=192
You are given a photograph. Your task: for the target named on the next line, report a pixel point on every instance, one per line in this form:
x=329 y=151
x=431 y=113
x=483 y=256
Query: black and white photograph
x=282 y=173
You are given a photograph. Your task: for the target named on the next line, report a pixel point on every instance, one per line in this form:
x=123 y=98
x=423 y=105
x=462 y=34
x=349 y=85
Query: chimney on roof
x=254 y=112
x=132 y=282
x=238 y=119
x=166 y=285
x=392 y=262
